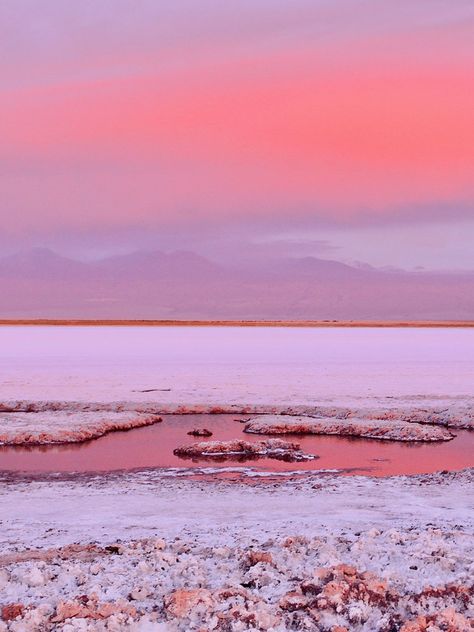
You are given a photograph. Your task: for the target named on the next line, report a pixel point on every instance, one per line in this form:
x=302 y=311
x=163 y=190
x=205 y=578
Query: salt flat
x=139 y=551
x=220 y=365
x=140 y=539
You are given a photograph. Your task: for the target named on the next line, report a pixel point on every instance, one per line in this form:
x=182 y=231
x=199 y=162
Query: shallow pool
x=152 y=447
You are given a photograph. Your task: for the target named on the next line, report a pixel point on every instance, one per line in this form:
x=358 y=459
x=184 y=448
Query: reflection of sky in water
x=153 y=447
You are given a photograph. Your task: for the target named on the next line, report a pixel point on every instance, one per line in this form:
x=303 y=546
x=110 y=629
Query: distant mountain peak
x=35 y=253
x=184 y=284
x=39 y=261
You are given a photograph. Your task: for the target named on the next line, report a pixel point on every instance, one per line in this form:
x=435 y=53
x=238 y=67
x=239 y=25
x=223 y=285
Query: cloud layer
x=145 y=116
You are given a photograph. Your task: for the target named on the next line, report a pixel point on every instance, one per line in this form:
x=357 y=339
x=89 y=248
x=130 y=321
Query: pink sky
x=121 y=122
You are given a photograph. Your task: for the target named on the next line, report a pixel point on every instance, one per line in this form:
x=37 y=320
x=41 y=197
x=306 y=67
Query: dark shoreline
x=57 y=322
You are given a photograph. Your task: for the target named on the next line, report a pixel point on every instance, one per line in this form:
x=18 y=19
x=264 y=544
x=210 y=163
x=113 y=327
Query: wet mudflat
x=152 y=447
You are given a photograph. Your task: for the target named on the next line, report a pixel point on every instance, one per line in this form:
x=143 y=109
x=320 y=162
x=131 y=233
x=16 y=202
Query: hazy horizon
x=185 y=285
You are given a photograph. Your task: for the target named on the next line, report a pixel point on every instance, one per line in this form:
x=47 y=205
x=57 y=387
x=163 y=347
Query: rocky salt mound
x=200 y=432
x=386 y=429
x=56 y=427
x=271 y=449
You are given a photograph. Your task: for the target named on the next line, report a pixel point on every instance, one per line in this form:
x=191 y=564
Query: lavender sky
x=253 y=128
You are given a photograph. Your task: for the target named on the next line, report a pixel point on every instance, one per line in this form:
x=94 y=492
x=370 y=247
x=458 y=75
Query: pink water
x=153 y=447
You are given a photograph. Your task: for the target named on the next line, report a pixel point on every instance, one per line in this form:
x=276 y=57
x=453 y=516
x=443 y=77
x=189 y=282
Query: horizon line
x=87 y=322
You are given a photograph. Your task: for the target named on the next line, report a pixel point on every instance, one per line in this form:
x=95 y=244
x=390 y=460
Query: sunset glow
x=175 y=117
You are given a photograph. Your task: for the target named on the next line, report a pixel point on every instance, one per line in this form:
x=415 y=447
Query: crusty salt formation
x=286 y=583
x=270 y=448
x=140 y=553
x=385 y=429
x=50 y=427
x=446 y=412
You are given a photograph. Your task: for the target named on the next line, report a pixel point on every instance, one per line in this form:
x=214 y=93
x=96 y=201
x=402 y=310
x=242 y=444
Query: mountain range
x=184 y=285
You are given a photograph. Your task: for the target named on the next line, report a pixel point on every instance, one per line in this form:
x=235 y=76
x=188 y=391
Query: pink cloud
x=344 y=124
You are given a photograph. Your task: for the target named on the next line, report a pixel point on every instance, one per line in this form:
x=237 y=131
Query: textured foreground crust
x=49 y=427
x=388 y=430
x=268 y=587
x=326 y=554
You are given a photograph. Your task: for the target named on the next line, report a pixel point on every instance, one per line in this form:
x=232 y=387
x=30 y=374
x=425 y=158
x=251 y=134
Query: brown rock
x=293 y=601
x=12 y=610
x=181 y=602
x=68 y=610
x=232 y=591
x=85 y=608
x=200 y=432
x=448 y=619
x=313 y=586
x=254 y=557
x=336 y=592
x=346 y=569
x=294 y=541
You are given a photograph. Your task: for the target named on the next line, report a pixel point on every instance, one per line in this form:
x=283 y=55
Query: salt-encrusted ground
x=395 y=429
x=66 y=426
x=241 y=549
x=265 y=557
x=62 y=421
